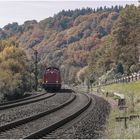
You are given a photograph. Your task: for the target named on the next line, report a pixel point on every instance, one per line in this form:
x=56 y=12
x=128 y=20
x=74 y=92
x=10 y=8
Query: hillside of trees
x=66 y=39
x=86 y=44
x=119 y=53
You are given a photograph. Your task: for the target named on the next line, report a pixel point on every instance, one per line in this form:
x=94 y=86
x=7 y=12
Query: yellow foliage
x=13 y=70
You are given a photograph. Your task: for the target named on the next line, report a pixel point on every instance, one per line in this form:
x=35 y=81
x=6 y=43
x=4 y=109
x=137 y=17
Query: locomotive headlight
x=46 y=81
x=56 y=81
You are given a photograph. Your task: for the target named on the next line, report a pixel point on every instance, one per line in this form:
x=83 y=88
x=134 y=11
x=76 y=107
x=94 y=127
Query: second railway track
x=36 y=127
x=26 y=101
x=23 y=99
x=19 y=112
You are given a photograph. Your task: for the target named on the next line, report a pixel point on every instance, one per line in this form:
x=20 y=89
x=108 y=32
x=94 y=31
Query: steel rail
x=25 y=102
x=23 y=99
x=34 y=117
x=40 y=133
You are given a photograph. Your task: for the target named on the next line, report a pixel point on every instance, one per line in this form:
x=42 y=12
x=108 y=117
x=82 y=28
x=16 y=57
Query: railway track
x=91 y=124
x=23 y=99
x=15 y=113
x=26 y=101
x=43 y=123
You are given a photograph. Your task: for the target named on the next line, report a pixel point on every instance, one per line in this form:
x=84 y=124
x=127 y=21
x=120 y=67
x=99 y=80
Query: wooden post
x=125 y=118
x=36 y=73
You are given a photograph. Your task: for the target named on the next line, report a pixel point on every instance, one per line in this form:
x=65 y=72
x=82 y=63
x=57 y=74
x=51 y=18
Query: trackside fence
x=123 y=79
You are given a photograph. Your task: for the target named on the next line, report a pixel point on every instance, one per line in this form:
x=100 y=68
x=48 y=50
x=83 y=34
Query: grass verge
x=116 y=130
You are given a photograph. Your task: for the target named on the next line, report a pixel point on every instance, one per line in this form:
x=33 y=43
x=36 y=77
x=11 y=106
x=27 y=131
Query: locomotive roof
x=52 y=68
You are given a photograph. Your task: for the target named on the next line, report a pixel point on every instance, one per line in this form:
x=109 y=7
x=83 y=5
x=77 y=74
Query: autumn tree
x=14 y=74
x=126 y=34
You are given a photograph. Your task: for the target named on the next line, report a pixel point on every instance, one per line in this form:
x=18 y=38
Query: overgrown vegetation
x=116 y=130
x=132 y=95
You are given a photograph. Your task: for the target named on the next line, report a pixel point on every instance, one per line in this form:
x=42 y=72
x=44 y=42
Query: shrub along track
x=36 y=127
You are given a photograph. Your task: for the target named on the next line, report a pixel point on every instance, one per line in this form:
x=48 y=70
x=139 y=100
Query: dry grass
x=116 y=130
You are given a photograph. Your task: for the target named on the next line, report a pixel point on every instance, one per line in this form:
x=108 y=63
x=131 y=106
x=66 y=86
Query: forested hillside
x=119 y=53
x=85 y=44
x=65 y=40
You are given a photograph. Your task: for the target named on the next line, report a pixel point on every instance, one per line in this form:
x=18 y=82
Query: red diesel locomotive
x=52 y=79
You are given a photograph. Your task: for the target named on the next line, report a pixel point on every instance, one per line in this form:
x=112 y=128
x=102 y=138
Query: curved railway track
x=19 y=112
x=26 y=101
x=91 y=124
x=43 y=123
x=23 y=99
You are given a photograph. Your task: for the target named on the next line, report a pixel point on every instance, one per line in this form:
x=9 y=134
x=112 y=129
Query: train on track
x=52 y=79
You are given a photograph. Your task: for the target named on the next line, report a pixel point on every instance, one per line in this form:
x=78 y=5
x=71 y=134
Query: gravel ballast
x=91 y=125
x=26 y=129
